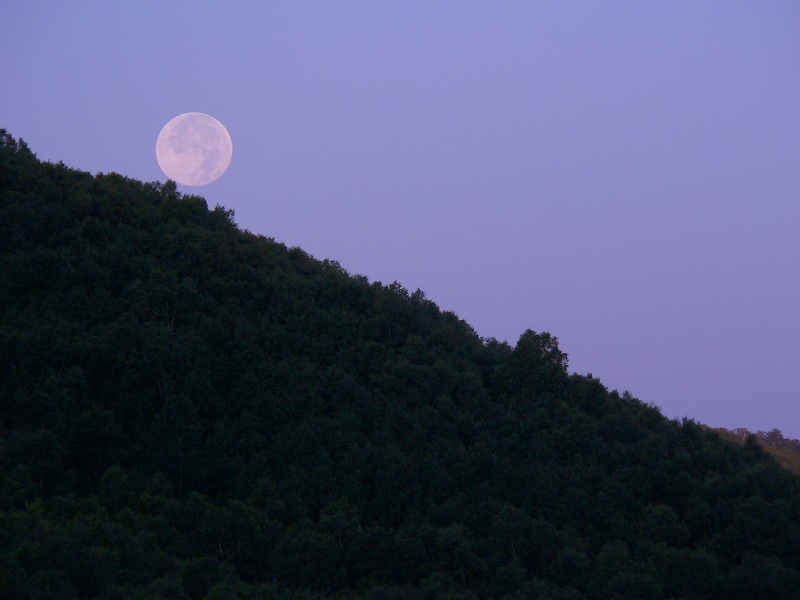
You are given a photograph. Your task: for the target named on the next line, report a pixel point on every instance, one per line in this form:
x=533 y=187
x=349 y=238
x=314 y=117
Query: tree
x=536 y=365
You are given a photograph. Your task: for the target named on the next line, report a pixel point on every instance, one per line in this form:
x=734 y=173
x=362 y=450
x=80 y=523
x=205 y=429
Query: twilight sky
x=624 y=175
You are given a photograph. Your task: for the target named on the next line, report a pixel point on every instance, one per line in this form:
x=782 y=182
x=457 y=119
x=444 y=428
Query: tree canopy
x=188 y=410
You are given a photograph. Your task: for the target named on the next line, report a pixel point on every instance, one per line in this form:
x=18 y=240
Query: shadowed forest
x=188 y=410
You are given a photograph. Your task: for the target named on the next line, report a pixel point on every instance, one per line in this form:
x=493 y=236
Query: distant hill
x=785 y=451
x=188 y=410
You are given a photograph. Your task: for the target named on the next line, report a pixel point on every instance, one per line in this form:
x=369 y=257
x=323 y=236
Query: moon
x=194 y=149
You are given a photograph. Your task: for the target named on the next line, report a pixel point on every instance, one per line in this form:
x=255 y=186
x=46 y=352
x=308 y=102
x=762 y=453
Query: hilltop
x=189 y=410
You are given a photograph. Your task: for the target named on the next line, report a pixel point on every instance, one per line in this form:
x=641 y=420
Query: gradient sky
x=624 y=175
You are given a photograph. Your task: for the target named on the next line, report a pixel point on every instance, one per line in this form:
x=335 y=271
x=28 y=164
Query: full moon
x=194 y=149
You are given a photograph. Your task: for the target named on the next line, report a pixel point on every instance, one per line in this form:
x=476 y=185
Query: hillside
x=785 y=451
x=188 y=410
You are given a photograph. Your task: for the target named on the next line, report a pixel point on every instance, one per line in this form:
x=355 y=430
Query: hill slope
x=785 y=451
x=188 y=410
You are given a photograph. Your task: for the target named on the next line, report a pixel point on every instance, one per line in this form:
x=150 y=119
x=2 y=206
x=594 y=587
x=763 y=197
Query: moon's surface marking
x=194 y=149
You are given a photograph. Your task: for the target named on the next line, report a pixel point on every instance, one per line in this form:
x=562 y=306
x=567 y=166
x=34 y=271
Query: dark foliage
x=785 y=451
x=188 y=410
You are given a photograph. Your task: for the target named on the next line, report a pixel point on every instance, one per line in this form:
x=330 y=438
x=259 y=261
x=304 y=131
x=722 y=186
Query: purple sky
x=624 y=175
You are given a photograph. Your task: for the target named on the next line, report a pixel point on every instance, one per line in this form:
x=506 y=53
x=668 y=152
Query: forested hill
x=188 y=410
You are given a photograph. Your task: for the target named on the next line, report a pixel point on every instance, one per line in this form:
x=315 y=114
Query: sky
x=623 y=175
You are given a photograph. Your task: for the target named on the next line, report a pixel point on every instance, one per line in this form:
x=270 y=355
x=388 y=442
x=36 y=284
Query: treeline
x=785 y=451
x=188 y=410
